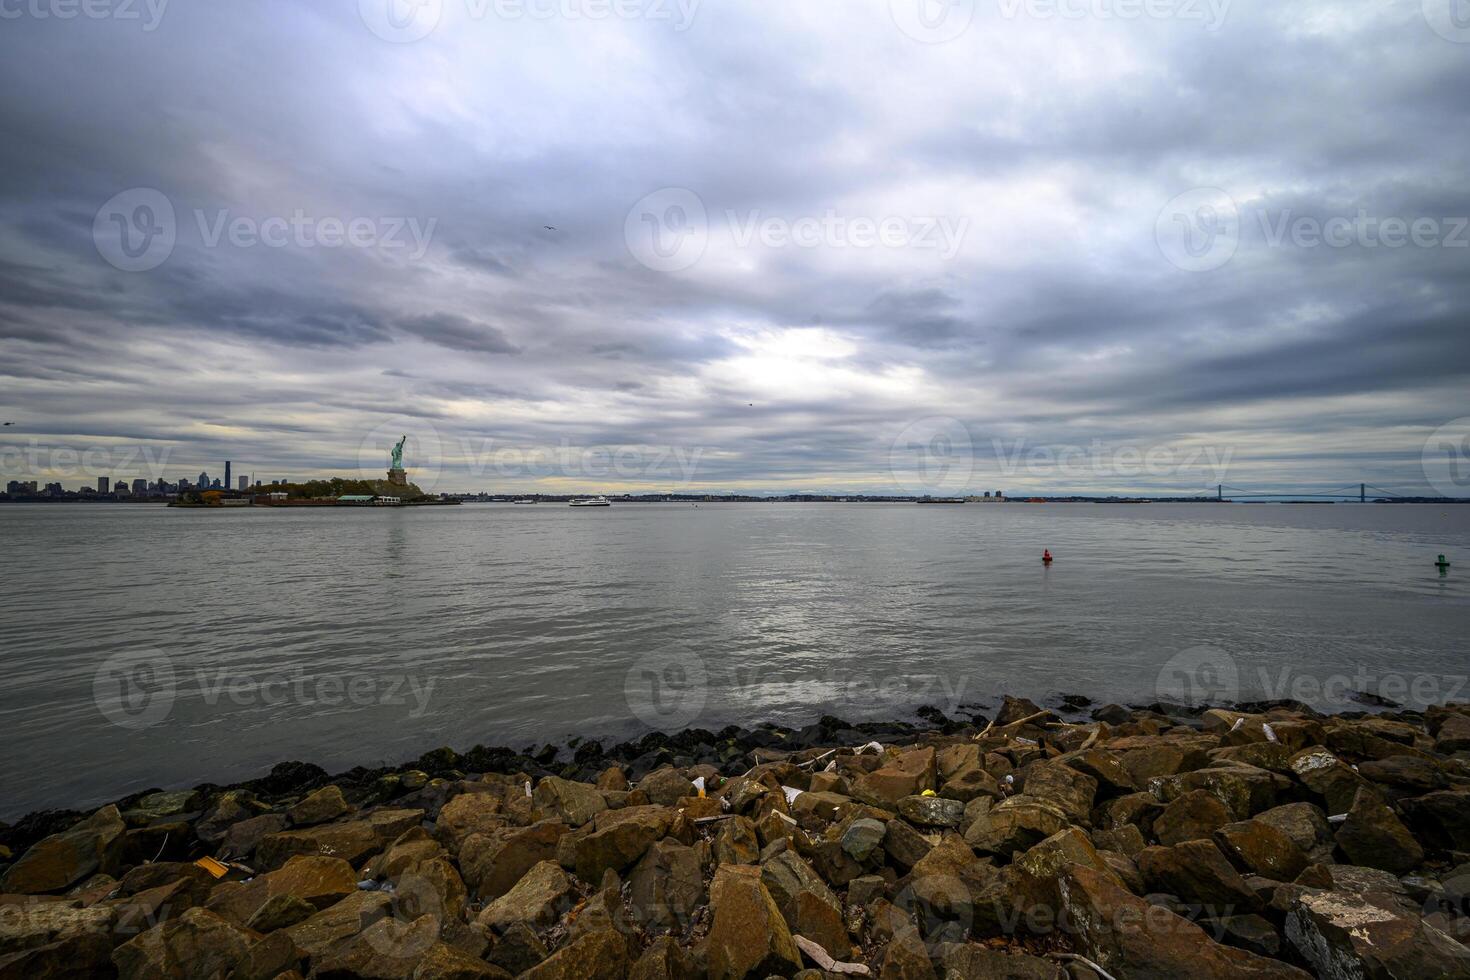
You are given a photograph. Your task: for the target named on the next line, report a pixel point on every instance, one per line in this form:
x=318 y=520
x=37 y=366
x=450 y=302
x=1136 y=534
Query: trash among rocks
x=791 y=793
x=823 y=959
x=217 y=869
x=1269 y=733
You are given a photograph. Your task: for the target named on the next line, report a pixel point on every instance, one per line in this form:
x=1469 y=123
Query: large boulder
x=1256 y=847
x=325 y=804
x=467 y=814
x=599 y=955
x=666 y=787
x=1194 y=816
x=63 y=859
x=806 y=903
x=1245 y=790
x=352 y=840
x=749 y=937
x=318 y=881
x=1373 y=835
x=1197 y=872
x=1351 y=935
x=1306 y=825
x=1130 y=938
x=666 y=886
x=1440 y=819
x=196 y=944
x=324 y=931
x=492 y=863
x=572 y=803
x=619 y=839
x=1329 y=777
x=538 y=899
x=1068 y=789
x=1015 y=824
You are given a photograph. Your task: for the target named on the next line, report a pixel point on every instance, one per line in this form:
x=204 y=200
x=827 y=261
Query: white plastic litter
x=1010 y=778
x=875 y=746
x=1337 y=818
x=699 y=785
x=791 y=794
x=1238 y=723
x=831 y=766
x=528 y=787
x=1270 y=735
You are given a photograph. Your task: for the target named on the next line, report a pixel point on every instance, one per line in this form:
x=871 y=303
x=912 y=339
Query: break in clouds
x=1100 y=245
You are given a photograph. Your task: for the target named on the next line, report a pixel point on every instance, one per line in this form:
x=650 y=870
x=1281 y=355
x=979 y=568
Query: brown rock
x=884 y=787
x=66 y=858
x=318 y=881
x=806 y=903
x=280 y=912
x=1197 y=872
x=1194 y=816
x=572 y=803
x=1259 y=848
x=538 y=899
x=1440 y=819
x=931 y=811
x=1245 y=790
x=353 y=840
x=1327 y=776
x=1130 y=938
x=325 y=804
x=491 y=864
x=196 y=944
x=736 y=842
x=749 y=938
x=1347 y=934
x=619 y=839
x=1068 y=789
x=320 y=933
x=903 y=845
x=664 y=959
x=595 y=956
x=1453 y=734
x=1374 y=836
x=444 y=962
x=664 y=787
x=1306 y=825
x=1015 y=824
x=240 y=839
x=666 y=886
x=388 y=949
x=468 y=814
x=968 y=783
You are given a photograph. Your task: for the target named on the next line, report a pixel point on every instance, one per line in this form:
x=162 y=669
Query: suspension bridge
x=1359 y=493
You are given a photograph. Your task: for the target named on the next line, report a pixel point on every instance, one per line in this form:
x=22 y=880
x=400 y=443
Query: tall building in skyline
x=227 y=474
x=203 y=479
x=244 y=482
x=102 y=484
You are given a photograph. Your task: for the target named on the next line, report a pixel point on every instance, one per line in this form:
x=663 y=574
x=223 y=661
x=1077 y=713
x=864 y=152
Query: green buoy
x=1442 y=564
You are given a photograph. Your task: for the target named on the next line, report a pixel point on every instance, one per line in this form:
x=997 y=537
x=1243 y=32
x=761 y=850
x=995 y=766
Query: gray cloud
x=1056 y=320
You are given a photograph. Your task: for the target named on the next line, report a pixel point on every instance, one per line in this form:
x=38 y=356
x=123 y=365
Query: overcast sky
x=858 y=245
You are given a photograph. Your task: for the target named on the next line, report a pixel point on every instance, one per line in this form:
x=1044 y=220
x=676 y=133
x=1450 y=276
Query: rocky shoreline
x=1261 y=840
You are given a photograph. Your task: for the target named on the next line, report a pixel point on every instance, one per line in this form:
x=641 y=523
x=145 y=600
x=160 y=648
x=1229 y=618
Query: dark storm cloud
x=1047 y=148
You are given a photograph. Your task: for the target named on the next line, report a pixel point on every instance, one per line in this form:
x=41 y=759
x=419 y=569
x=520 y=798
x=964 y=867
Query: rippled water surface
x=145 y=646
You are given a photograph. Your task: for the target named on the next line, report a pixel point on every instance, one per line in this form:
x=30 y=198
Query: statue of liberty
x=398 y=454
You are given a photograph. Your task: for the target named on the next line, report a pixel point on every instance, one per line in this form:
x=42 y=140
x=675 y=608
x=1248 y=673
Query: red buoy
x=1045 y=556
